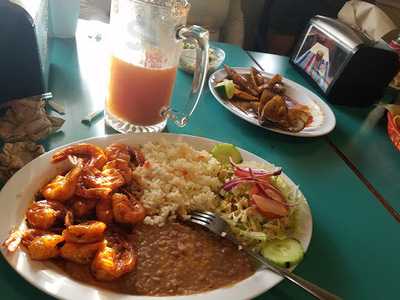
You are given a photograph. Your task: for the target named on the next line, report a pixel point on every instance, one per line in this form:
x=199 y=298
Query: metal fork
x=218 y=226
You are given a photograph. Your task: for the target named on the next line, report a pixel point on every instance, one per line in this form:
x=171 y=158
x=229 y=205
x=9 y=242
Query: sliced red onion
x=256 y=172
x=260 y=178
x=234 y=182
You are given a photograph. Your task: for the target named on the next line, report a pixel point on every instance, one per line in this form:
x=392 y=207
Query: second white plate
x=324 y=120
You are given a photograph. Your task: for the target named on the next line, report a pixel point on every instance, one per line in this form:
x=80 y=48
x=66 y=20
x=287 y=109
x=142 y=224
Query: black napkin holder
x=23 y=50
x=343 y=64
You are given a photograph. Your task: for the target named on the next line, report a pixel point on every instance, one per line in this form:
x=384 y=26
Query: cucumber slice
x=285 y=253
x=222 y=152
x=226 y=88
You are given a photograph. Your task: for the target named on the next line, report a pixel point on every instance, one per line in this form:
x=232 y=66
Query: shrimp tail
x=13 y=241
x=95 y=155
x=75 y=160
x=69 y=218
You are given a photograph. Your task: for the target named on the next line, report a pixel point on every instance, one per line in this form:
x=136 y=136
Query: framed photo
x=320 y=57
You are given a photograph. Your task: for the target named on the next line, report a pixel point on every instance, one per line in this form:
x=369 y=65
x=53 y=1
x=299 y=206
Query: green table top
x=351 y=229
x=360 y=136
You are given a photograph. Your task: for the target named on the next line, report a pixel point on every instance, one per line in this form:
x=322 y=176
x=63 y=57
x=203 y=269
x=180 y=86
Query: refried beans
x=175 y=259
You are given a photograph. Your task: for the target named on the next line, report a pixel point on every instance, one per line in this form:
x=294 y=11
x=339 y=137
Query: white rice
x=176 y=179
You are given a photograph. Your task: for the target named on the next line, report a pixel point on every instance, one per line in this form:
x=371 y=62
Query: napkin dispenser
x=23 y=48
x=344 y=64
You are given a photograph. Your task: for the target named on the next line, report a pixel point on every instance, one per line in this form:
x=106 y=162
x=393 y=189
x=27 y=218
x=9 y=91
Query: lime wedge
x=225 y=88
x=222 y=153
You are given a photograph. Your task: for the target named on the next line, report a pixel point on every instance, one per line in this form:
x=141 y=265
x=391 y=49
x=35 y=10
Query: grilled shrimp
x=137 y=156
x=104 y=211
x=94 y=155
x=125 y=152
x=123 y=168
x=108 y=178
x=115 y=259
x=82 y=207
x=92 y=193
x=126 y=209
x=45 y=214
x=44 y=247
x=62 y=188
x=40 y=244
x=118 y=151
x=80 y=253
x=84 y=233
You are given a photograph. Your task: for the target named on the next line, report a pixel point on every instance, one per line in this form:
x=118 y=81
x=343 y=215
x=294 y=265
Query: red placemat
x=393 y=131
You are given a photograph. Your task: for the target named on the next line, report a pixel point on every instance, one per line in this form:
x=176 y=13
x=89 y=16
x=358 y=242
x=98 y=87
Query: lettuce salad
x=253 y=226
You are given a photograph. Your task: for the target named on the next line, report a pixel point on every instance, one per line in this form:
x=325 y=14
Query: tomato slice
x=255 y=190
x=269 y=208
x=272 y=192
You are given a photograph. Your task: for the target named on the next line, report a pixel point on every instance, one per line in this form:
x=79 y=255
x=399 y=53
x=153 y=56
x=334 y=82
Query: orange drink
x=145 y=41
x=137 y=94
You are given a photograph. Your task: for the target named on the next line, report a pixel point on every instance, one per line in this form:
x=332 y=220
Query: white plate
x=324 y=120
x=19 y=192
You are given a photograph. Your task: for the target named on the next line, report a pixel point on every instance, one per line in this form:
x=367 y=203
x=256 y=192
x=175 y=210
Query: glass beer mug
x=146 y=41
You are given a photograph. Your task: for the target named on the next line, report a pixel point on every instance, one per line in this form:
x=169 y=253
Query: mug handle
x=200 y=35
